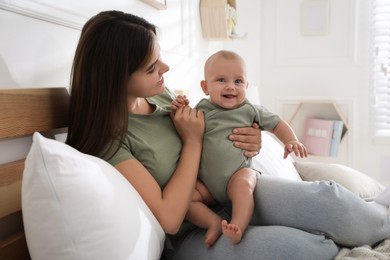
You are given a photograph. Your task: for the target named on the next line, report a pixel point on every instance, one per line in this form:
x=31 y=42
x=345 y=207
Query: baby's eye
x=238 y=81
x=221 y=80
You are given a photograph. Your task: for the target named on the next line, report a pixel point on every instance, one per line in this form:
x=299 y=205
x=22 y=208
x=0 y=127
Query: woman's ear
x=203 y=85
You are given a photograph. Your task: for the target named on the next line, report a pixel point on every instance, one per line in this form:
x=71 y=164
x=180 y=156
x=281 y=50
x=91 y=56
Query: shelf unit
x=214 y=16
x=296 y=111
x=322 y=110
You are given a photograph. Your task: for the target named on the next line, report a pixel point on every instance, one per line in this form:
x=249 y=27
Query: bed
x=68 y=208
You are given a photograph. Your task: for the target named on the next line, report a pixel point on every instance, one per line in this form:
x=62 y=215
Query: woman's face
x=148 y=81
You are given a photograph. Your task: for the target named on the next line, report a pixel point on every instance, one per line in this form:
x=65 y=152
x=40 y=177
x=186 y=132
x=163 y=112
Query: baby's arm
x=285 y=134
x=179 y=101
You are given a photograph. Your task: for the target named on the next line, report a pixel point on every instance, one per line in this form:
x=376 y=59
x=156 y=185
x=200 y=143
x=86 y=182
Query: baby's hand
x=295 y=146
x=180 y=101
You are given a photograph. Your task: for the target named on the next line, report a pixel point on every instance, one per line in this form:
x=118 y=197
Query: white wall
x=330 y=66
x=34 y=53
x=282 y=64
x=39 y=53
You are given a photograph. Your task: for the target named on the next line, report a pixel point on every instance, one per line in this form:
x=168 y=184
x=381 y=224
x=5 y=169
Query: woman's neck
x=139 y=106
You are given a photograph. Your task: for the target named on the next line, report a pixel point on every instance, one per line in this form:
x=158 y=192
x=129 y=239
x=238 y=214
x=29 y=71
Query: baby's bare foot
x=232 y=231
x=212 y=234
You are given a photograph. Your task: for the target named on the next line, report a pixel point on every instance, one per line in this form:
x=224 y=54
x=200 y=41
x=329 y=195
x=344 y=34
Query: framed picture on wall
x=314 y=17
x=158 y=4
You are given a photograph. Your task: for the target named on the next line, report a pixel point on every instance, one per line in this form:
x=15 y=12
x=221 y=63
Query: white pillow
x=359 y=183
x=384 y=197
x=270 y=160
x=77 y=206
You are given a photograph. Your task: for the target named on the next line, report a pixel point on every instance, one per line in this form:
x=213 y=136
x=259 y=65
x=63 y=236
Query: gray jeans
x=296 y=220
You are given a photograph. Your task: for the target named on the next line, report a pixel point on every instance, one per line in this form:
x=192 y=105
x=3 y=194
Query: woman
x=119 y=111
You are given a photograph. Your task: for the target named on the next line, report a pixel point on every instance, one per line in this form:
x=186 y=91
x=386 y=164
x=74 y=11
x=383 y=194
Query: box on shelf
x=322 y=137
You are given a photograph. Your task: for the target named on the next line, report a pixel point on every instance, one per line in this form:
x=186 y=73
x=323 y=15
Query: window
x=380 y=48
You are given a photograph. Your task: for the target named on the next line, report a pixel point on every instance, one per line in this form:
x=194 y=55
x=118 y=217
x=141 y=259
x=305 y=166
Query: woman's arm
x=248 y=139
x=170 y=205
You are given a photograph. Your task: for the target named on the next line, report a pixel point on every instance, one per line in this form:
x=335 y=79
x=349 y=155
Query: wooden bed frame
x=23 y=112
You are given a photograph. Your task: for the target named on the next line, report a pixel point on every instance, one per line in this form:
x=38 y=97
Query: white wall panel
x=337 y=46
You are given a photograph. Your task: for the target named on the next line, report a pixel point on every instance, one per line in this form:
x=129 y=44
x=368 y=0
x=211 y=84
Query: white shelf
x=214 y=19
x=319 y=109
x=296 y=111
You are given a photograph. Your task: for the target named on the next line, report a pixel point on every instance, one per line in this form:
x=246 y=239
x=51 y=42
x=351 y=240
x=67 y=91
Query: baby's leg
x=203 y=194
x=202 y=216
x=240 y=191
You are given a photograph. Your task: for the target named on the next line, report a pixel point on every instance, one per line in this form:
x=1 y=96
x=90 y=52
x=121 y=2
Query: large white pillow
x=77 y=206
x=384 y=197
x=270 y=160
x=359 y=183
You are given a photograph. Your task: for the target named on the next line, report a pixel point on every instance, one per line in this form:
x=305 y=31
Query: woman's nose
x=164 y=68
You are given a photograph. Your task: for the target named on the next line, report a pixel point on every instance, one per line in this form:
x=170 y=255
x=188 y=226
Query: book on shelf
x=322 y=137
x=336 y=138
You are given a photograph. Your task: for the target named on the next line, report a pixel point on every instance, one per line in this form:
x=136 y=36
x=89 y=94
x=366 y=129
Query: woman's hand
x=189 y=123
x=248 y=139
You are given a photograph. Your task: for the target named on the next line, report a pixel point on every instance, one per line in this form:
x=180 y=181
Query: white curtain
x=381 y=66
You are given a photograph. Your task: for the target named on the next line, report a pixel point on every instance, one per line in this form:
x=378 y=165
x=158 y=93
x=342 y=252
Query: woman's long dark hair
x=112 y=46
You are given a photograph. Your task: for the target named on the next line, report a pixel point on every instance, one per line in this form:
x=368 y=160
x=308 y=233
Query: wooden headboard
x=23 y=112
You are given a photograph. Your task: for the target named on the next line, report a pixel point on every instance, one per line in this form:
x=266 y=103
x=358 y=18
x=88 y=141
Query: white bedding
x=379 y=252
x=94 y=212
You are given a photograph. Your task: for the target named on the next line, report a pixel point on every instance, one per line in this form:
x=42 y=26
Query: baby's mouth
x=229 y=96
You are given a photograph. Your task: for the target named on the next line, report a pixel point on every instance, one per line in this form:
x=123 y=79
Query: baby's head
x=225 y=79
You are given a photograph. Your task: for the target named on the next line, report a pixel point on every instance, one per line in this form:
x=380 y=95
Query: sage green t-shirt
x=152 y=140
x=220 y=159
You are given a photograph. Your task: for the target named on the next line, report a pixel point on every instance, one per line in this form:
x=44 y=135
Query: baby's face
x=226 y=82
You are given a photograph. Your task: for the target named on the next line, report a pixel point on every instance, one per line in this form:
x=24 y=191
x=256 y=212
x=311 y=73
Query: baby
x=225 y=175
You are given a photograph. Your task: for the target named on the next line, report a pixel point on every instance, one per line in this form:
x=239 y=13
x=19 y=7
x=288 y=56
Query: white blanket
x=379 y=252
